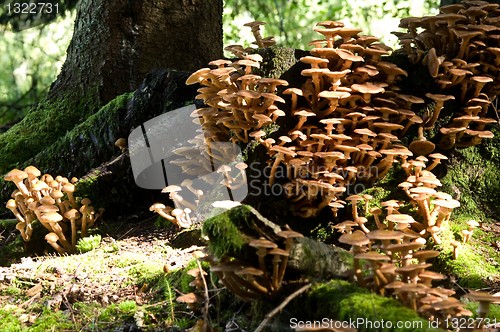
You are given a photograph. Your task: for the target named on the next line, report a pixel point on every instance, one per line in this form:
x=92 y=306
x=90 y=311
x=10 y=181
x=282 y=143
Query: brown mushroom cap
x=382 y=234
x=15 y=175
x=289 y=234
x=482 y=297
x=189 y=298
x=373 y=256
x=262 y=243
x=400 y=218
x=356 y=238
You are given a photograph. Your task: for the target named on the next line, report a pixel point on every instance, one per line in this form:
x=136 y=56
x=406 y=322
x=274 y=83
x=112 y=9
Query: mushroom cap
x=46 y=208
x=278 y=252
x=413 y=267
x=85 y=201
x=373 y=256
x=171 y=188
x=188 y=298
x=68 y=188
x=195 y=77
x=400 y=247
x=51 y=217
x=422 y=147
x=33 y=171
x=422 y=191
x=11 y=204
x=48 y=200
x=432 y=275
x=289 y=234
x=284 y=150
x=51 y=237
x=356 y=238
x=367 y=88
x=473 y=223
x=250 y=271
x=72 y=214
x=482 y=297
x=383 y=234
x=15 y=175
x=262 y=243
x=449 y=204
x=425 y=254
x=400 y=218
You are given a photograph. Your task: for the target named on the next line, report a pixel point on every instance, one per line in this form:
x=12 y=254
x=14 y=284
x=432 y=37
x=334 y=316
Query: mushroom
x=121 y=143
x=439 y=99
x=278 y=256
x=262 y=245
x=289 y=236
x=455 y=245
x=12 y=206
x=52 y=239
x=173 y=190
x=485 y=300
x=72 y=215
x=190 y=299
x=17 y=176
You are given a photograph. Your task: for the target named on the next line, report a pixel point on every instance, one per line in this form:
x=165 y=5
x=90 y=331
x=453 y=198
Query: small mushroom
x=52 y=239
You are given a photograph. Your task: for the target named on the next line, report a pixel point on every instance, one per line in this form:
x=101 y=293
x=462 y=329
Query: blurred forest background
x=33 y=47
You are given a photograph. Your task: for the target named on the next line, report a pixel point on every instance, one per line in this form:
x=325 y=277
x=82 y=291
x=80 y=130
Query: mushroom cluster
x=238 y=102
x=391 y=260
x=349 y=117
x=390 y=256
x=193 y=195
x=51 y=201
x=461 y=50
x=251 y=282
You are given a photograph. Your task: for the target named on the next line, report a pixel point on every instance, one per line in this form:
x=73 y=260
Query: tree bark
x=116 y=43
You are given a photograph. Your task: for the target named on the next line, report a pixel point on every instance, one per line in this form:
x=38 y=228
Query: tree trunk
x=116 y=43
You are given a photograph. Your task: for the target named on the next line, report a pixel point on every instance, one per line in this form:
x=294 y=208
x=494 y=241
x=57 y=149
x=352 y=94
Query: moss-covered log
x=341 y=301
x=91 y=143
x=229 y=233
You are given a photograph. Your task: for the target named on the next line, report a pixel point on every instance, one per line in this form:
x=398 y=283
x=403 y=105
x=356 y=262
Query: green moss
x=41 y=127
x=52 y=321
x=470 y=268
x=493 y=314
x=88 y=243
x=225 y=238
x=93 y=139
x=9 y=322
x=277 y=61
x=118 y=313
x=343 y=301
x=473 y=178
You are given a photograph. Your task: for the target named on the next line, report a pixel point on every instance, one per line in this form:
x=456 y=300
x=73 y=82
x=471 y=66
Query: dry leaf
x=35 y=290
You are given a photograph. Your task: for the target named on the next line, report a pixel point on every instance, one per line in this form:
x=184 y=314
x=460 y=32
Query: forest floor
x=119 y=283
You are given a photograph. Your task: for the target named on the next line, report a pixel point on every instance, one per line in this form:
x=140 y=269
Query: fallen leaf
x=35 y=290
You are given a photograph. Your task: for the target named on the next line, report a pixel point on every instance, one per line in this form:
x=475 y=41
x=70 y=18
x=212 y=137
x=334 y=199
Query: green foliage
x=31 y=60
x=291 y=22
x=88 y=243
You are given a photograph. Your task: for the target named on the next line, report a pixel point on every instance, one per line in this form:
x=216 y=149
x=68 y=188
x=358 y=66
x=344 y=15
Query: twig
x=207 y=298
x=496 y=111
x=70 y=308
x=271 y=314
